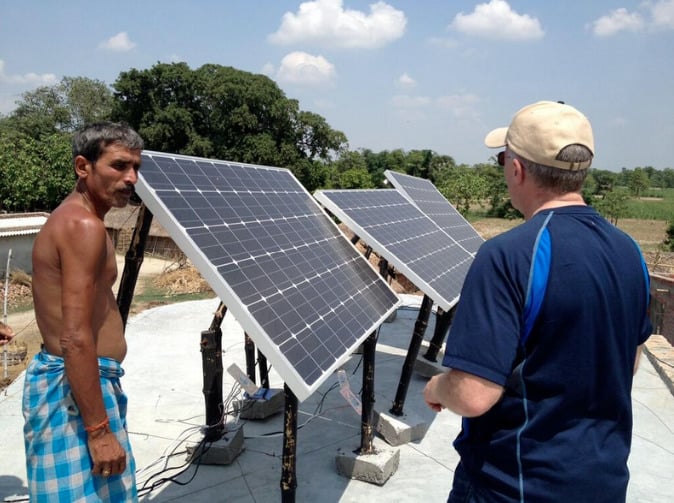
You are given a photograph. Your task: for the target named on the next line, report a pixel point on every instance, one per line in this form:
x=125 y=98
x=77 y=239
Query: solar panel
x=425 y=196
x=398 y=231
x=297 y=287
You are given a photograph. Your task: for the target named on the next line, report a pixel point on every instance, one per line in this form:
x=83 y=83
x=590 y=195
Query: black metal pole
x=211 y=362
x=412 y=352
x=289 y=462
x=366 y=429
x=133 y=261
x=443 y=319
x=264 y=370
x=211 y=366
x=249 y=349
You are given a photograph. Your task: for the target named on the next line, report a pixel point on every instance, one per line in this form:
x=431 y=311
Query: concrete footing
x=221 y=452
x=398 y=430
x=375 y=468
x=260 y=408
x=427 y=368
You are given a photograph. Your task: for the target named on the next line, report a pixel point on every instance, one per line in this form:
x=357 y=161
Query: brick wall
x=662 y=306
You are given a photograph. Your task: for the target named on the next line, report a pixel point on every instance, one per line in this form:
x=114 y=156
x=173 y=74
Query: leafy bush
x=669 y=239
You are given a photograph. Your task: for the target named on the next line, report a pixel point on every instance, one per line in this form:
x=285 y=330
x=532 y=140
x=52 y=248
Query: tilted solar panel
x=398 y=231
x=423 y=194
x=298 y=288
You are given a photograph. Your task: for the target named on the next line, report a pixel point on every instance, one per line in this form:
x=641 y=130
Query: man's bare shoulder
x=73 y=220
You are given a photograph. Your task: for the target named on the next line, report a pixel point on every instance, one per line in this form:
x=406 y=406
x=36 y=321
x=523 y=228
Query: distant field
x=656 y=204
x=648 y=233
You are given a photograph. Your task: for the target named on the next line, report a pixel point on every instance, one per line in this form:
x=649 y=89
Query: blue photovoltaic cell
x=409 y=240
x=301 y=291
x=425 y=196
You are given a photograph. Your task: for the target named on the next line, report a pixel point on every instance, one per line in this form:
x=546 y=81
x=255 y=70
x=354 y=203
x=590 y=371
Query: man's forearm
x=462 y=393
x=81 y=367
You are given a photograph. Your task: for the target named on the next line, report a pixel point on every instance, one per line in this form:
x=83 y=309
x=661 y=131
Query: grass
x=655 y=204
x=150 y=293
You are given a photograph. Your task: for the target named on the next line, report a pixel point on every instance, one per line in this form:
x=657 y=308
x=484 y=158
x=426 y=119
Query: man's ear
x=519 y=172
x=82 y=166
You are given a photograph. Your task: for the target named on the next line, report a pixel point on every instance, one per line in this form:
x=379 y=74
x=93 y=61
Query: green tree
x=464 y=187
x=613 y=205
x=34 y=175
x=350 y=172
x=669 y=237
x=603 y=180
x=376 y=165
x=638 y=181
x=225 y=113
x=63 y=107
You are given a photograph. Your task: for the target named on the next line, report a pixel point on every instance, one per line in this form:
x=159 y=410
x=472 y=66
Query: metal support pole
x=412 y=352
x=264 y=370
x=289 y=462
x=211 y=366
x=133 y=261
x=211 y=361
x=366 y=429
x=443 y=319
x=249 y=349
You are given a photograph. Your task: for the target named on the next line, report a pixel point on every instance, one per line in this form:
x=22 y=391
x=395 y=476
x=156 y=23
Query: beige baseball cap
x=540 y=131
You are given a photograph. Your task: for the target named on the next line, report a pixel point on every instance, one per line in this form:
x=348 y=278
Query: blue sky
x=410 y=74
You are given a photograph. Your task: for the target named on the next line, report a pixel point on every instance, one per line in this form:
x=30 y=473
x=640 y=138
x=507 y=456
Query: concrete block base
x=221 y=452
x=398 y=430
x=427 y=368
x=375 y=468
x=260 y=408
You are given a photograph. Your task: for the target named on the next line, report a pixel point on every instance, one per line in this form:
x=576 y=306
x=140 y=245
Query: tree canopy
x=224 y=113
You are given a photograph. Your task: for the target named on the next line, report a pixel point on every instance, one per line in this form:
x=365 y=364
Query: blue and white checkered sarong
x=57 y=458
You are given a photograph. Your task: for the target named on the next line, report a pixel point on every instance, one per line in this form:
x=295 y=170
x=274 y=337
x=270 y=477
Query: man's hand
x=6 y=334
x=108 y=456
x=429 y=395
x=464 y=394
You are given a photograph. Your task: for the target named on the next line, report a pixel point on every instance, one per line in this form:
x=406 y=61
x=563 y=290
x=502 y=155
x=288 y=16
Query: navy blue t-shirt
x=562 y=430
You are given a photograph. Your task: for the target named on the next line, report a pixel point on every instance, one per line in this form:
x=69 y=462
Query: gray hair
x=561 y=181
x=91 y=141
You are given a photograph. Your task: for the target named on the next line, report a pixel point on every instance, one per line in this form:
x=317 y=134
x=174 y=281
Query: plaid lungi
x=57 y=458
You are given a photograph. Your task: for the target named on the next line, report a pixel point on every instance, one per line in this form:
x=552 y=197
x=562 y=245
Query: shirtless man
x=77 y=447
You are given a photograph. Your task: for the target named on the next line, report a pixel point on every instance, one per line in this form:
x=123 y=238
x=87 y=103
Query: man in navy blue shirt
x=545 y=340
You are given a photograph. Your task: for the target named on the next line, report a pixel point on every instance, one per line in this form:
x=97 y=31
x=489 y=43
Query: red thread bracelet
x=99 y=426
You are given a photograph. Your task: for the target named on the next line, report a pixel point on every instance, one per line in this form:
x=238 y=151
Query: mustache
x=134 y=198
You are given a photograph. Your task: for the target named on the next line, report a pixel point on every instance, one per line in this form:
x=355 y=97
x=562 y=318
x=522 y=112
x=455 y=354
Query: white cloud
x=460 y=105
x=656 y=16
x=305 y=69
x=616 y=21
x=118 y=43
x=27 y=79
x=268 y=69
x=497 y=20
x=407 y=101
x=663 y=14
x=406 y=82
x=327 y=23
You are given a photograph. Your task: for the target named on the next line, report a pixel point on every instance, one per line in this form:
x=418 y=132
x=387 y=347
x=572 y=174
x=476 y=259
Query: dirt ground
x=170 y=278
x=165 y=275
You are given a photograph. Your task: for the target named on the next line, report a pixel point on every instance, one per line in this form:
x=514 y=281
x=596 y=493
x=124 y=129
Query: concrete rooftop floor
x=166 y=410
